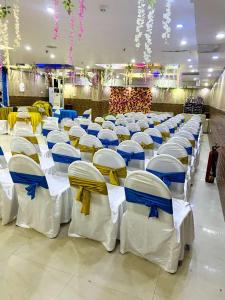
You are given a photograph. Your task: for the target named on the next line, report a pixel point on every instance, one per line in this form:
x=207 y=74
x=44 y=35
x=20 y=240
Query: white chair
x=44 y=201
x=99 y=120
x=153 y=226
x=188 y=135
x=101 y=222
x=75 y=133
x=171 y=171
x=156 y=120
x=133 y=128
x=110 y=118
x=164 y=130
x=87 y=114
x=156 y=136
x=22 y=109
x=122 y=133
x=49 y=126
x=133 y=154
x=63 y=155
x=111 y=165
x=23 y=121
x=146 y=143
x=150 y=123
x=143 y=124
x=175 y=150
x=108 y=138
x=94 y=129
x=3 y=162
x=84 y=123
x=66 y=124
x=121 y=122
x=183 y=142
x=24 y=132
x=88 y=145
x=3 y=127
x=55 y=137
x=108 y=125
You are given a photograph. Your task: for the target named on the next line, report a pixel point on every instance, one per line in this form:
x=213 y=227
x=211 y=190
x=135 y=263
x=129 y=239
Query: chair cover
x=110 y=118
x=87 y=114
x=164 y=130
x=84 y=123
x=108 y=125
x=99 y=120
x=133 y=128
x=3 y=127
x=111 y=165
x=51 y=204
x=108 y=138
x=102 y=223
x=156 y=136
x=56 y=136
x=20 y=145
x=66 y=124
x=3 y=162
x=94 y=128
x=89 y=144
x=162 y=240
x=24 y=132
x=75 y=133
x=146 y=143
x=122 y=133
x=143 y=124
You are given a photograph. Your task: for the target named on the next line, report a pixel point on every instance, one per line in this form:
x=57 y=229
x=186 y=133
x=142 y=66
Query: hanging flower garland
x=16 y=11
x=4 y=40
x=148 y=34
x=140 y=22
x=71 y=38
x=166 y=22
x=68 y=5
x=56 y=20
x=82 y=9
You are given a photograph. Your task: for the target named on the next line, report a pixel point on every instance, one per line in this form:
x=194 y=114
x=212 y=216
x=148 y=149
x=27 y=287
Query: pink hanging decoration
x=82 y=9
x=56 y=20
x=72 y=25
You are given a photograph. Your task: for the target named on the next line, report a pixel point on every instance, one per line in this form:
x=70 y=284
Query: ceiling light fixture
x=52 y=56
x=183 y=43
x=180 y=26
x=133 y=61
x=190 y=66
x=215 y=57
x=206 y=84
x=88 y=67
x=50 y=10
x=209 y=75
x=189 y=60
x=210 y=70
x=220 y=36
x=28 y=48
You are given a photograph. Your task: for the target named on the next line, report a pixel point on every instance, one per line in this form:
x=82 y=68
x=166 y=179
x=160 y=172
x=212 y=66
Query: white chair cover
x=144 y=138
x=108 y=125
x=50 y=207
x=110 y=118
x=121 y=130
x=56 y=136
x=3 y=127
x=90 y=141
x=154 y=132
x=107 y=134
x=162 y=240
x=102 y=224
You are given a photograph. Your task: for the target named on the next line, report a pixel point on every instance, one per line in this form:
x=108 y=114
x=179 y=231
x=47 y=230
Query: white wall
x=217 y=94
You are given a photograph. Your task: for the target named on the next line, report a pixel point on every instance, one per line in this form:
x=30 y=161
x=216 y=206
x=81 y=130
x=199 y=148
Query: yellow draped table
x=4 y=112
x=35 y=118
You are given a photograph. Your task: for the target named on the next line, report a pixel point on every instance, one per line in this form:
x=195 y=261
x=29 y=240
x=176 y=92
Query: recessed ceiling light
x=210 y=70
x=193 y=71
x=50 y=10
x=133 y=61
x=206 y=84
x=220 y=36
x=88 y=67
x=215 y=57
x=189 y=60
x=190 y=66
x=209 y=75
x=183 y=43
x=52 y=56
x=180 y=26
x=28 y=48
x=195 y=79
x=117 y=76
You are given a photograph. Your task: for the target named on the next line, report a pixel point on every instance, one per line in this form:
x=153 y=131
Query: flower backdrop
x=123 y=100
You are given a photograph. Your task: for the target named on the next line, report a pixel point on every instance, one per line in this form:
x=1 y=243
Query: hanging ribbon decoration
x=82 y=9
x=166 y=22
x=16 y=12
x=71 y=39
x=56 y=20
x=140 y=22
x=149 y=29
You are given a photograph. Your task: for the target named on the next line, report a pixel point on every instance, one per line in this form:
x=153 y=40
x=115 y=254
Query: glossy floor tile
x=34 y=267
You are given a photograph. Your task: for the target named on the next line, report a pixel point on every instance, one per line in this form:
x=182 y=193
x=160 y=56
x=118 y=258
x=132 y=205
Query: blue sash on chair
x=133 y=132
x=85 y=127
x=45 y=132
x=51 y=145
x=189 y=150
x=33 y=181
x=195 y=136
x=157 y=139
x=1 y=152
x=128 y=156
x=151 y=201
x=168 y=178
x=151 y=125
x=106 y=143
x=86 y=116
x=172 y=130
x=64 y=159
x=93 y=132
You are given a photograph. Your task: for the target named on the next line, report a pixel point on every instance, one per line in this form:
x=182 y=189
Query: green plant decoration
x=68 y=5
x=5 y=11
x=152 y=2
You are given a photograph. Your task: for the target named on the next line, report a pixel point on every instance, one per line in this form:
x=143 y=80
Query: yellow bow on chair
x=147 y=146
x=165 y=135
x=33 y=156
x=75 y=140
x=32 y=139
x=192 y=143
x=114 y=174
x=89 y=149
x=26 y=120
x=85 y=188
x=184 y=160
x=123 y=137
x=67 y=128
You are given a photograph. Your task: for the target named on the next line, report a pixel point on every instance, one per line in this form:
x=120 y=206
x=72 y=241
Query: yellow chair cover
x=75 y=140
x=33 y=156
x=85 y=188
x=34 y=117
x=4 y=112
x=147 y=146
x=165 y=135
x=184 y=160
x=26 y=120
x=123 y=137
x=45 y=105
x=114 y=174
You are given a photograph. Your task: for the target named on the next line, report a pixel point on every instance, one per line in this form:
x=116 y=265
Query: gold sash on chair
x=165 y=135
x=75 y=140
x=67 y=128
x=147 y=146
x=25 y=120
x=184 y=160
x=192 y=143
x=32 y=139
x=156 y=123
x=89 y=149
x=85 y=188
x=123 y=137
x=33 y=156
x=114 y=174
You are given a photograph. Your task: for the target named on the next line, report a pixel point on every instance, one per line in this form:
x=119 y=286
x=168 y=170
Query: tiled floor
x=34 y=267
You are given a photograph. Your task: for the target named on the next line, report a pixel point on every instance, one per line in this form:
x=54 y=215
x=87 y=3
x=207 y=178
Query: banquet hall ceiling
x=109 y=36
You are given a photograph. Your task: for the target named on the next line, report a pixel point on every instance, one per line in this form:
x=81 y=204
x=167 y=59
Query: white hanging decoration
x=140 y=22
x=148 y=34
x=166 y=22
x=16 y=12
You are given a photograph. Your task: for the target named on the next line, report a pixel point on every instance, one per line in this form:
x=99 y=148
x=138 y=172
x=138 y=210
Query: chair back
x=164 y=130
x=108 y=138
x=84 y=123
x=94 y=128
x=122 y=133
x=55 y=137
x=89 y=144
x=133 y=128
x=108 y=125
x=110 y=118
x=156 y=136
x=188 y=135
x=3 y=162
x=146 y=143
x=20 y=145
